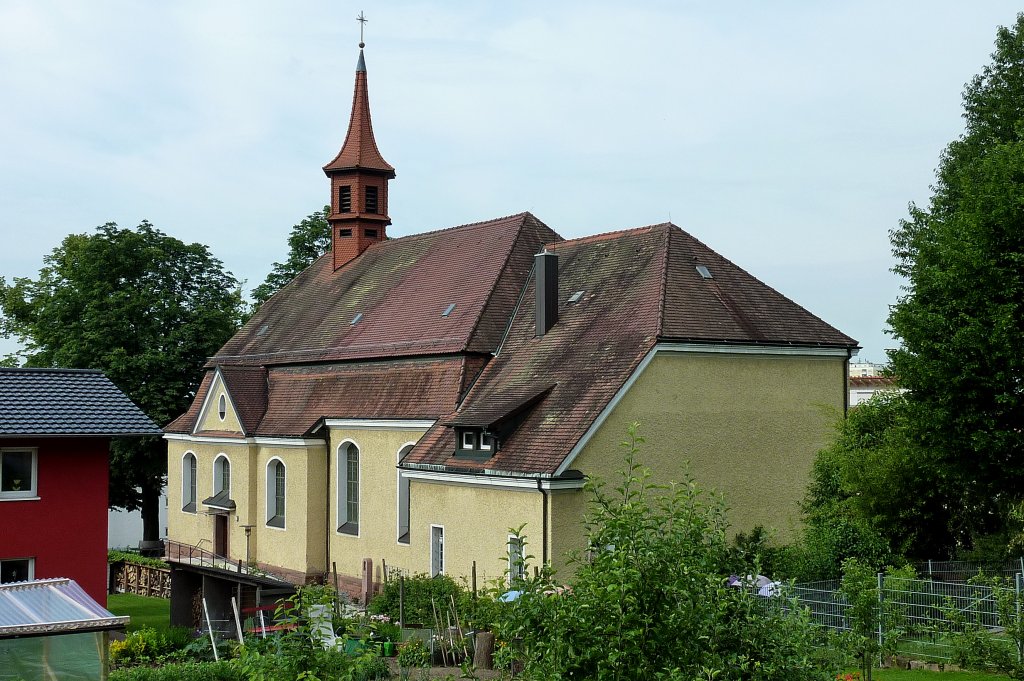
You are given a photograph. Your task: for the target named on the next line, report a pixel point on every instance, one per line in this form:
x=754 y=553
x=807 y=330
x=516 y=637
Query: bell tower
x=359 y=179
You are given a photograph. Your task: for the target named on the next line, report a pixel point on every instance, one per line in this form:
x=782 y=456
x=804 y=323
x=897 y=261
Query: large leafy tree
x=961 y=320
x=308 y=240
x=145 y=308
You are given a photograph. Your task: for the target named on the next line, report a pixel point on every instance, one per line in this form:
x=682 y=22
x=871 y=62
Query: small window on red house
x=17 y=473
x=17 y=570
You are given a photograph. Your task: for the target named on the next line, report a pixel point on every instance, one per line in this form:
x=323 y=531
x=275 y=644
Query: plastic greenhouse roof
x=51 y=606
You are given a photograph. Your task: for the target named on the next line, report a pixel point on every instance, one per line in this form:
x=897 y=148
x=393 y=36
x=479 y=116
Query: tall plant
x=649 y=599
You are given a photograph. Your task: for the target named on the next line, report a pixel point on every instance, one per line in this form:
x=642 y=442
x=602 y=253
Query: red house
x=55 y=431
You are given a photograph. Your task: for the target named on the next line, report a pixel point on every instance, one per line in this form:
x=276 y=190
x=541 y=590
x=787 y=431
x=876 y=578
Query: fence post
x=881 y=617
x=1016 y=601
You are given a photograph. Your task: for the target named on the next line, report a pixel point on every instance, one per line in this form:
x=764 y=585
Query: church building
x=408 y=401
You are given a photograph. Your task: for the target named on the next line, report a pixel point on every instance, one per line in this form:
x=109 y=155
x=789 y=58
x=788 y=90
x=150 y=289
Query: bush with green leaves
x=421 y=594
x=299 y=651
x=182 y=671
x=650 y=599
x=413 y=653
x=869 y=613
x=115 y=556
x=979 y=646
x=147 y=645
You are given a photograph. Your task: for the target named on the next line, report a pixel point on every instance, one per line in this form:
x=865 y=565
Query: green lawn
x=144 y=611
x=925 y=675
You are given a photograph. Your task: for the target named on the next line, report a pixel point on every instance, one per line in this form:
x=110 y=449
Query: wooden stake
x=209 y=627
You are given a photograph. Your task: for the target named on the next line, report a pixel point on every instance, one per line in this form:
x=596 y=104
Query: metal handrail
x=193 y=554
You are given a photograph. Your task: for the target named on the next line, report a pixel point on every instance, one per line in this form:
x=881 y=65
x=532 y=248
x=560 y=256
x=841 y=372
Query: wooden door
x=220 y=534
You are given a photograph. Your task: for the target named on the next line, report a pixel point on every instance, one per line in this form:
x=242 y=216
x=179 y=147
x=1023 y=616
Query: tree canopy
x=145 y=308
x=961 y=318
x=308 y=240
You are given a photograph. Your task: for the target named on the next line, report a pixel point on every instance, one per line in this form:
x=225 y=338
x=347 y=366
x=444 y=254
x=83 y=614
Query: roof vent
x=448 y=310
x=355 y=320
x=704 y=272
x=262 y=331
x=575 y=298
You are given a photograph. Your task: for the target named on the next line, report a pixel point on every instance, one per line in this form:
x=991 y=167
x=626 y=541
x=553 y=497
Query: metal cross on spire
x=362 y=24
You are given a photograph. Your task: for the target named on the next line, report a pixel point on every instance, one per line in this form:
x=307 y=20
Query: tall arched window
x=188 y=482
x=403 y=499
x=275 y=493
x=221 y=475
x=348 y=488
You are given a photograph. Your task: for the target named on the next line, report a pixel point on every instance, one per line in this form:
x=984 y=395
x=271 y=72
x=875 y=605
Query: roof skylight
x=355 y=320
x=448 y=310
x=704 y=272
x=575 y=298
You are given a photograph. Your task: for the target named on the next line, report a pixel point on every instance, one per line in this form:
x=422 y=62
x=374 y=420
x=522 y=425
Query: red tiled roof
x=872 y=382
x=400 y=288
x=248 y=389
x=422 y=388
x=639 y=287
x=416 y=388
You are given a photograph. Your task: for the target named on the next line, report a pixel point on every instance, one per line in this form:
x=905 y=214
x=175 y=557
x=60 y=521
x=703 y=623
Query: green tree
x=145 y=308
x=650 y=599
x=961 y=318
x=309 y=239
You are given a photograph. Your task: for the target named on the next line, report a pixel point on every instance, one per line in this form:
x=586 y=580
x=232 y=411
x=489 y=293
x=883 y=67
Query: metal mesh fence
x=919 y=608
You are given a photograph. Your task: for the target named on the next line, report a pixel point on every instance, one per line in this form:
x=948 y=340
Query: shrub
x=413 y=653
x=421 y=592
x=129 y=557
x=650 y=601
x=371 y=669
x=184 y=671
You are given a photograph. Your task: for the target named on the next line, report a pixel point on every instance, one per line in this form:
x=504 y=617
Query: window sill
x=5 y=497
x=349 y=528
x=277 y=521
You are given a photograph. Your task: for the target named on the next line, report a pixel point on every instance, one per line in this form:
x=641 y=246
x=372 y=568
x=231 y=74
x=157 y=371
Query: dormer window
x=475 y=443
x=345 y=199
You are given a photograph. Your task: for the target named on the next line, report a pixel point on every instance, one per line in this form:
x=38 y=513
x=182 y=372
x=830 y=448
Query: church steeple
x=359 y=181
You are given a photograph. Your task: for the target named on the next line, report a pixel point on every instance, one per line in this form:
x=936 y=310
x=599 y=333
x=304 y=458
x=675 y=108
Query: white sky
x=788 y=136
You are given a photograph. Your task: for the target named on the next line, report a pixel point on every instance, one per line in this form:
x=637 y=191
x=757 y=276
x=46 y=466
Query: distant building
x=863 y=388
x=55 y=430
x=862 y=367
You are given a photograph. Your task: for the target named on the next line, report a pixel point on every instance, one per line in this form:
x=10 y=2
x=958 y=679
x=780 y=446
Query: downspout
x=327 y=517
x=846 y=382
x=544 y=522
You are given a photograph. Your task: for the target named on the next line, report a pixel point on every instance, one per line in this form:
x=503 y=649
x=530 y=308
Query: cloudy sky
x=789 y=136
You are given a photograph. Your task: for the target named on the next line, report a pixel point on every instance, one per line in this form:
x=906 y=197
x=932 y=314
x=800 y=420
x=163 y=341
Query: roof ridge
x=604 y=236
x=468 y=225
x=53 y=370
x=497 y=278
x=664 y=282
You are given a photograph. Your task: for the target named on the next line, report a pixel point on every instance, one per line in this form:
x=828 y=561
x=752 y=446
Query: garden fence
x=919 y=608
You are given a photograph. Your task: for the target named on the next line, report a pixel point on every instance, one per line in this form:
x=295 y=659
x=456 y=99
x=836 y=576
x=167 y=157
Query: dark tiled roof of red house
x=81 y=402
x=638 y=287
x=396 y=293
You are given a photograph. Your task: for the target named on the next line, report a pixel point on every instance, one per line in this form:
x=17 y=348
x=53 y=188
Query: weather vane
x=362 y=24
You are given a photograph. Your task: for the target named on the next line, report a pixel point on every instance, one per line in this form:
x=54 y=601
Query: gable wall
x=750 y=426
x=210 y=417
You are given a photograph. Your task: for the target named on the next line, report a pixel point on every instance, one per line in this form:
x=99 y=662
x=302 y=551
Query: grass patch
x=925 y=675
x=144 y=611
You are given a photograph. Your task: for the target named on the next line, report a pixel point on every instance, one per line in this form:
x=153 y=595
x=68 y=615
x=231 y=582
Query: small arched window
x=189 y=470
x=221 y=475
x=275 y=493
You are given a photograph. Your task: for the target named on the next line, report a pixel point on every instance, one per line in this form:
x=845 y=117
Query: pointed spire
x=359 y=179
x=360 y=149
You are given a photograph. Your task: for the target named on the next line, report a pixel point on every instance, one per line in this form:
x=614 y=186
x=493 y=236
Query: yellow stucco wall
x=299 y=546
x=749 y=425
x=378 y=502
x=476 y=523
